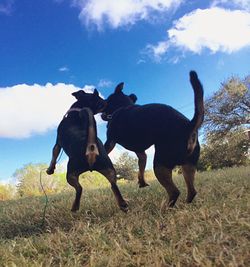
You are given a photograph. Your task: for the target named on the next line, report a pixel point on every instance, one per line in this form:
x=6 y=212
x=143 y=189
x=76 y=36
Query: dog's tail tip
x=198 y=101
x=193 y=75
x=196 y=84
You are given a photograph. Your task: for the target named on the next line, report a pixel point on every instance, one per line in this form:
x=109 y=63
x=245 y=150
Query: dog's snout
x=104 y=116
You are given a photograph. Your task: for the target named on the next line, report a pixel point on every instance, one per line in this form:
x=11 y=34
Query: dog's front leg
x=109 y=145
x=55 y=154
x=142 y=161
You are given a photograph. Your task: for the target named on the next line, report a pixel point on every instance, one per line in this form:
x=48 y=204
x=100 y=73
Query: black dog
x=76 y=134
x=175 y=137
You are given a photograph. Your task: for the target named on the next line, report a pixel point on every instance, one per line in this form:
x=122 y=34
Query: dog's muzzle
x=106 y=117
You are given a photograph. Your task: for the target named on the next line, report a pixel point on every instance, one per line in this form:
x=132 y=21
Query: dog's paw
x=50 y=171
x=191 y=196
x=173 y=198
x=141 y=185
x=124 y=207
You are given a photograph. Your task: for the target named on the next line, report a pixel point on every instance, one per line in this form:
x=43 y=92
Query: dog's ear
x=119 y=87
x=133 y=97
x=78 y=94
x=96 y=93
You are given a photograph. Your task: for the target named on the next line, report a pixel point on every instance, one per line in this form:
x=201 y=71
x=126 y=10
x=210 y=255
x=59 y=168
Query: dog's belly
x=135 y=142
x=134 y=147
x=140 y=137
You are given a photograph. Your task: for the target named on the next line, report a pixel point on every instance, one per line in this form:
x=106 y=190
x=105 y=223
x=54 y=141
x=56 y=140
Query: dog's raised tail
x=198 y=118
x=198 y=101
x=91 y=149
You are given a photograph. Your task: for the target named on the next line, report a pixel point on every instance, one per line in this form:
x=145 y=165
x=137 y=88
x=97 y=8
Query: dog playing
x=137 y=127
x=77 y=135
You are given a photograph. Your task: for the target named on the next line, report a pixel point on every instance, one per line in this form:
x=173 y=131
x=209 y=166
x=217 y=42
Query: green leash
x=44 y=192
x=46 y=198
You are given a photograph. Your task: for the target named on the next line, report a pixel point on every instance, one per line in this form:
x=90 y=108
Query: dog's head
x=88 y=100
x=117 y=100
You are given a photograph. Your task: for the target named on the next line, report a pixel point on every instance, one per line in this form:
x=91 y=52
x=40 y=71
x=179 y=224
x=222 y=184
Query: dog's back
x=72 y=134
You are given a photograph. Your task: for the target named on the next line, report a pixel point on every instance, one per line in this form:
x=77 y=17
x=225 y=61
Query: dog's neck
x=110 y=116
x=71 y=110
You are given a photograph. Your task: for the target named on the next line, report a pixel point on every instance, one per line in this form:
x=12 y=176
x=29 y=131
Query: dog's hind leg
x=142 y=160
x=109 y=146
x=189 y=173
x=111 y=176
x=164 y=176
x=73 y=180
x=55 y=153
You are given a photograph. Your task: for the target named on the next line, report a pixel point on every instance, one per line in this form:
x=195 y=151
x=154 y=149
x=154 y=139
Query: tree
x=6 y=192
x=232 y=150
x=126 y=166
x=227 y=115
x=229 y=108
x=28 y=179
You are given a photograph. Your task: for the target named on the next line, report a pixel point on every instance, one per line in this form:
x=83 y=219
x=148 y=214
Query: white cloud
x=215 y=29
x=122 y=12
x=156 y=52
x=64 y=69
x=34 y=109
x=103 y=83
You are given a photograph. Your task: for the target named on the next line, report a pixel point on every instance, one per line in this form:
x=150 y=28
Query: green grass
x=212 y=231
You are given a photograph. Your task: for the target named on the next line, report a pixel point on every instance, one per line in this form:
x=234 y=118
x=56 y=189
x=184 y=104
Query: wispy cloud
x=6 y=7
x=242 y=4
x=121 y=13
x=34 y=109
x=63 y=69
x=104 y=83
x=220 y=64
x=156 y=52
x=141 y=61
x=215 y=29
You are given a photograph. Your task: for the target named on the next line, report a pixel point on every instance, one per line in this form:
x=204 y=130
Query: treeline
x=226 y=126
x=32 y=179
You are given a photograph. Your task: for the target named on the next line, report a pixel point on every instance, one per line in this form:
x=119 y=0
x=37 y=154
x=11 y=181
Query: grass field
x=212 y=231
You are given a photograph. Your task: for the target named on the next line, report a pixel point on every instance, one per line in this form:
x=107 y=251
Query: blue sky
x=50 y=48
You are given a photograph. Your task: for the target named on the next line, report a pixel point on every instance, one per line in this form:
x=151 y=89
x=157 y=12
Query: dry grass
x=212 y=231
